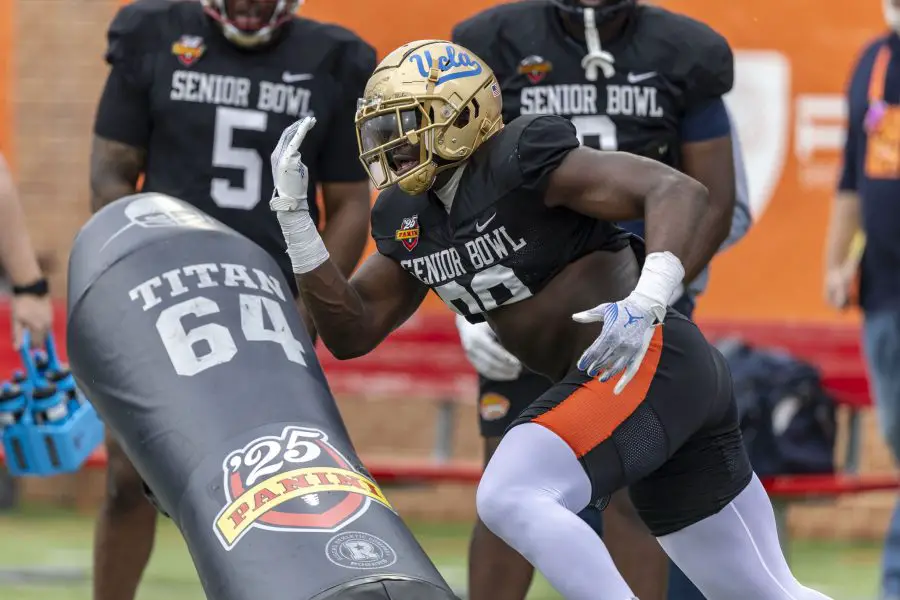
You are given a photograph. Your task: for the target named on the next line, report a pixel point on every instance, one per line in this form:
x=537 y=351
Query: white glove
x=289 y=203
x=628 y=324
x=485 y=353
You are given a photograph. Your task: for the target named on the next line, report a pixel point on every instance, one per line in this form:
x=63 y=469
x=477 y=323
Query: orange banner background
x=793 y=59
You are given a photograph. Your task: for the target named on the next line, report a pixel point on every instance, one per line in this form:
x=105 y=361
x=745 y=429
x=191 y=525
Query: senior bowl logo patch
x=493 y=407
x=292 y=481
x=535 y=68
x=408 y=234
x=189 y=49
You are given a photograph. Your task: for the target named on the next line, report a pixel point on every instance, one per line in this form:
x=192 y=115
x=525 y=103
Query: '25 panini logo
x=293 y=481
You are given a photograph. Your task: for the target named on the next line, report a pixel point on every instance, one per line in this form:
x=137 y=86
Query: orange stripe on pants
x=591 y=414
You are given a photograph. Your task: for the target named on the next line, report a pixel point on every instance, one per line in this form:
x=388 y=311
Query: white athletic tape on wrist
x=660 y=278
x=304 y=244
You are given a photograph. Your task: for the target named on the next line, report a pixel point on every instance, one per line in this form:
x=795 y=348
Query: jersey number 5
x=205 y=346
x=247 y=160
x=597 y=132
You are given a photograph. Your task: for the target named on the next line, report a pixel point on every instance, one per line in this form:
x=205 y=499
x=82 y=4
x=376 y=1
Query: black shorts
x=671 y=436
x=500 y=402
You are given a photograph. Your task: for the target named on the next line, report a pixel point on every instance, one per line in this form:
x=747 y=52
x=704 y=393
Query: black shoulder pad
x=358 y=61
x=713 y=73
x=539 y=144
x=699 y=59
x=499 y=30
x=476 y=33
x=135 y=29
x=386 y=213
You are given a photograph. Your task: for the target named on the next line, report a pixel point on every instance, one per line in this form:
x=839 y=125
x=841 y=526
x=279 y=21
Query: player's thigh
x=621 y=439
x=500 y=402
x=707 y=469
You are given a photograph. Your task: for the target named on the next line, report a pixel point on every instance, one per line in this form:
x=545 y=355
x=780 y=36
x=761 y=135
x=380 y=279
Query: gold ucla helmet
x=429 y=105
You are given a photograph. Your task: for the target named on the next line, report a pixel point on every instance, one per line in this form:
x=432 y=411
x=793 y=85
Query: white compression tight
x=534 y=486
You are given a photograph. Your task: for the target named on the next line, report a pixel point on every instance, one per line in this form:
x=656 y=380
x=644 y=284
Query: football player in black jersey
x=197 y=97
x=639 y=79
x=515 y=225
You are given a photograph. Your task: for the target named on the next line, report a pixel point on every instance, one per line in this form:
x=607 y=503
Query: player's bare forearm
x=617 y=186
x=16 y=252
x=711 y=162
x=353 y=316
x=115 y=169
x=843 y=225
x=346 y=223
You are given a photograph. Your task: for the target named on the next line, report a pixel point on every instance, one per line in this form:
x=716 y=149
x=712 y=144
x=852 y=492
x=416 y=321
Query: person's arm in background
x=345 y=187
x=844 y=223
x=31 y=306
x=121 y=130
x=122 y=124
x=707 y=139
x=707 y=156
x=741 y=219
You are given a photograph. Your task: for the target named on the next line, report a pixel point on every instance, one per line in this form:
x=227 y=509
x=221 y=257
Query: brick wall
x=60 y=74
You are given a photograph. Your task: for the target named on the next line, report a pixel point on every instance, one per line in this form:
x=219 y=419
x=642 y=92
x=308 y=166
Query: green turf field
x=61 y=543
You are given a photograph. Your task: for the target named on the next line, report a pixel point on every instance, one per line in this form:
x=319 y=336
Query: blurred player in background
x=866 y=203
x=634 y=78
x=196 y=99
x=30 y=305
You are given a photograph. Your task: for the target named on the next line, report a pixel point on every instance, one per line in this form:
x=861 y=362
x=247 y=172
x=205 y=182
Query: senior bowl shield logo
x=763 y=78
x=188 y=49
x=293 y=481
x=535 y=68
x=408 y=234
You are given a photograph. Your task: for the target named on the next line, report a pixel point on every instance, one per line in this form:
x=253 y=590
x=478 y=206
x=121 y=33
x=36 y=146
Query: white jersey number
x=205 y=346
x=477 y=297
x=226 y=155
x=597 y=132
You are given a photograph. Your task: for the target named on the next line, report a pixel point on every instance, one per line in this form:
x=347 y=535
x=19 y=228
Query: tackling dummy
x=186 y=339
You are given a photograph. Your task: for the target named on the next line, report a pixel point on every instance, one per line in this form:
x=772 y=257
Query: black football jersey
x=210 y=113
x=498 y=243
x=665 y=64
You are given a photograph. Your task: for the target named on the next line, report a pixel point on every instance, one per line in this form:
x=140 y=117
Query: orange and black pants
x=672 y=436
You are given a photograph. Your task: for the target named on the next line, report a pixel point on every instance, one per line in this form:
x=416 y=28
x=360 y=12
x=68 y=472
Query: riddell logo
x=293 y=481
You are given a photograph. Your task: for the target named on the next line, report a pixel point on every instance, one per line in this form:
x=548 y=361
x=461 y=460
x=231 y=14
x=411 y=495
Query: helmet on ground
x=427 y=107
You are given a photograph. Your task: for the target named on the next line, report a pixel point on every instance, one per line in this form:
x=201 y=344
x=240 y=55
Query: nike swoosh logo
x=295 y=77
x=479 y=227
x=639 y=77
